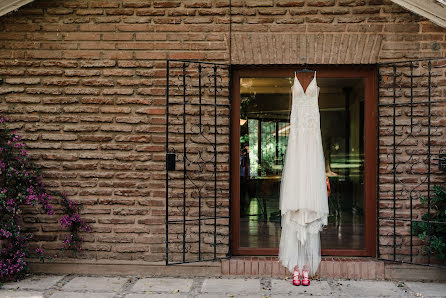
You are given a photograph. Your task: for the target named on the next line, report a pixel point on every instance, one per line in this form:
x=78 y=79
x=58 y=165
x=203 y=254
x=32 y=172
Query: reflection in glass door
x=264 y=128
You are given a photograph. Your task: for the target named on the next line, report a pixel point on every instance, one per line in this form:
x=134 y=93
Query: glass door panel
x=264 y=128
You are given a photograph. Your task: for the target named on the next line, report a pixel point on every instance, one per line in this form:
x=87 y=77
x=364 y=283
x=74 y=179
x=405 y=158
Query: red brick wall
x=85 y=84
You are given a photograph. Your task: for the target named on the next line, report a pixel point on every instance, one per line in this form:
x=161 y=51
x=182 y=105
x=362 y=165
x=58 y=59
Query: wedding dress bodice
x=312 y=89
x=305 y=107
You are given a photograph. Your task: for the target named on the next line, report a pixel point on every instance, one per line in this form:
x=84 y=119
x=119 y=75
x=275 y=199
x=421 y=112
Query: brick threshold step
x=330 y=267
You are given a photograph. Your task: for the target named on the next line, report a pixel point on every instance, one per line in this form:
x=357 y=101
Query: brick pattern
x=331 y=32
x=84 y=82
x=313 y=48
x=345 y=268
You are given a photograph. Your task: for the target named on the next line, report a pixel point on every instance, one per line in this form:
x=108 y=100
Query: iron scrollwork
x=410 y=100
x=196 y=222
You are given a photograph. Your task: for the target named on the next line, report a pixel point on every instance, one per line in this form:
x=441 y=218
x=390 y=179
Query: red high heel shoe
x=296 y=279
x=305 y=277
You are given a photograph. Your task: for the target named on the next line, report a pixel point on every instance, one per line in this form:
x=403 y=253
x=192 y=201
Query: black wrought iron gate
x=412 y=161
x=197 y=161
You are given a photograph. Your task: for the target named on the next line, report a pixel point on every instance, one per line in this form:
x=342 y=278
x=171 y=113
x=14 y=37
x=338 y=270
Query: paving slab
x=285 y=287
x=428 y=289
x=303 y=295
x=368 y=288
x=36 y=282
x=156 y=295
x=97 y=284
x=20 y=294
x=83 y=295
x=231 y=286
x=162 y=285
x=229 y=295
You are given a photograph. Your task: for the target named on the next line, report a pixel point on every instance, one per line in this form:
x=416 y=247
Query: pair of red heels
x=305 y=278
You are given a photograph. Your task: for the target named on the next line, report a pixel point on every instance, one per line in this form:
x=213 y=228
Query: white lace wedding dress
x=303 y=190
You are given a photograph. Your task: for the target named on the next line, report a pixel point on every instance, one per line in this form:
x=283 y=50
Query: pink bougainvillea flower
x=22 y=185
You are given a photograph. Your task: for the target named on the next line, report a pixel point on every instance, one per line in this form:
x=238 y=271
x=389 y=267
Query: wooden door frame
x=368 y=72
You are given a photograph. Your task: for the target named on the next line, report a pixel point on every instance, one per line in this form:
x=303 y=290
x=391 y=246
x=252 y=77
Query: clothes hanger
x=304 y=70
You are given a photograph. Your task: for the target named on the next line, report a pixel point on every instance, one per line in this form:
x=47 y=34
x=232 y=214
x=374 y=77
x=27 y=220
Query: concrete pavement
x=70 y=286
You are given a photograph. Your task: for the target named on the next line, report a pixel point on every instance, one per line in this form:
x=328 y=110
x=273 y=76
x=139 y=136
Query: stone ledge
x=193 y=269
x=411 y=272
x=356 y=268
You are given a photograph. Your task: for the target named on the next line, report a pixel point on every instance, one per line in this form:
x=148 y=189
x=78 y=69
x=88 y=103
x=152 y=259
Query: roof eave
x=430 y=9
x=10 y=5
